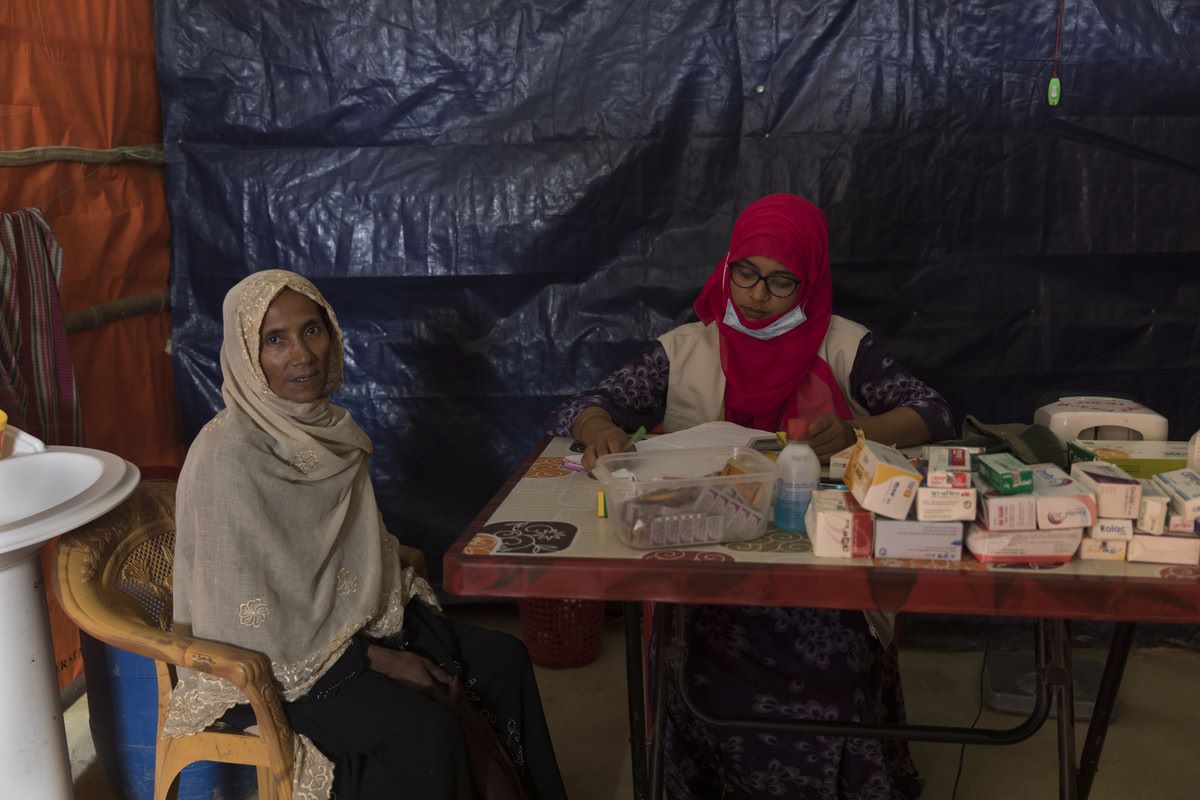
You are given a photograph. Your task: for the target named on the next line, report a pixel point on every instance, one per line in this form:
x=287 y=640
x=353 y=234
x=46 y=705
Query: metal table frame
x=1053 y=684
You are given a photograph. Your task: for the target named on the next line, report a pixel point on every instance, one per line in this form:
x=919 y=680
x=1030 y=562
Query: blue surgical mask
x=787 y=322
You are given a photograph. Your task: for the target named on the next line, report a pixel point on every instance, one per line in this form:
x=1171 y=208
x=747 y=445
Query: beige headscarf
x=280 y=546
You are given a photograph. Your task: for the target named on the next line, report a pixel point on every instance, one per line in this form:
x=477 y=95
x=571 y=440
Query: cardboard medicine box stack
x=948 y=494
x=1139 y=513
x=1118 y=502
x=1038 y=517
x=1179 y=543
x=946 y=499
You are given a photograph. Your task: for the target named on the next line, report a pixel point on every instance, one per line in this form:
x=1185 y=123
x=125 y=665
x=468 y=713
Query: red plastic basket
x=561 y=633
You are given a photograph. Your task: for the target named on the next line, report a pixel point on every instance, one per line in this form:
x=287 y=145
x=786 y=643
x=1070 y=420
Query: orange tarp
x=81 y=73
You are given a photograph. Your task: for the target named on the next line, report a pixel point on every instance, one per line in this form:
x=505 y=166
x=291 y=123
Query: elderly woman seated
x=281 y=548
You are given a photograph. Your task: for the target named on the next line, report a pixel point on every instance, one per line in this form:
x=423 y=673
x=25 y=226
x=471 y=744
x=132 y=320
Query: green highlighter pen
x=638 y=435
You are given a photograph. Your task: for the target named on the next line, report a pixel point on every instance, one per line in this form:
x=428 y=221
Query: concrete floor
x=1150 y=751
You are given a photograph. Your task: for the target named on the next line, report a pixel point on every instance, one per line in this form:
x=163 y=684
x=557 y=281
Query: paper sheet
x=709 y=434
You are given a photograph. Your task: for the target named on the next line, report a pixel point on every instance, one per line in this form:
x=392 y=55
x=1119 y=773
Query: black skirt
x=389 y=741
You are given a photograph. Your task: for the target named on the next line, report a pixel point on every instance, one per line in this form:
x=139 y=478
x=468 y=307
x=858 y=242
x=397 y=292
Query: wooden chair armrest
x=250 y=671
x=246 y=669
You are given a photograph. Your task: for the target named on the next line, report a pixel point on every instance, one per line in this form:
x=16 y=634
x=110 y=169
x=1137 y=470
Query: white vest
x=696 y=383
x=696 y=394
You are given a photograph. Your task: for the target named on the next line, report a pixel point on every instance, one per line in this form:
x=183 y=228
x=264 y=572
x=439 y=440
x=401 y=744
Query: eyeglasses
x=747 y=277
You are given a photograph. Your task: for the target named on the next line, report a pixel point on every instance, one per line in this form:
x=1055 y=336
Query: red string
x=1057 y=39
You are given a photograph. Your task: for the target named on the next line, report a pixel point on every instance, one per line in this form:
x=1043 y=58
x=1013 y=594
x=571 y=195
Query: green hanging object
x=1054 y=91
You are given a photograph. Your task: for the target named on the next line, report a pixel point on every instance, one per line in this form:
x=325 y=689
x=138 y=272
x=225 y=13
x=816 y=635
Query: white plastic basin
x=32 y=484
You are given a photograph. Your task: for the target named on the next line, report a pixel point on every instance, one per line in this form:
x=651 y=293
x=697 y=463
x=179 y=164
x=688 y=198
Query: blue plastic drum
x=122 y=698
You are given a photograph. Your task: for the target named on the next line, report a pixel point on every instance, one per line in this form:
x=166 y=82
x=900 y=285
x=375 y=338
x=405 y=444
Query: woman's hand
x=828 y=434
x=610 y=440
x=599 y=435
x=408 y=668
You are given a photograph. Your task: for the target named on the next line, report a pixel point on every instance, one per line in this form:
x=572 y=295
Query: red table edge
x=847 y=586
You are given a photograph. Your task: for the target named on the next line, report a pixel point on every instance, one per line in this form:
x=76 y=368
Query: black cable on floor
x=962 y=750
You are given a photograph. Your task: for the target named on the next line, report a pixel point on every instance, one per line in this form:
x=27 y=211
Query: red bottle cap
x=797 y=430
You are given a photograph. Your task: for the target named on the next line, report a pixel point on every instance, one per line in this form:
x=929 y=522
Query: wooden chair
x=113 y=578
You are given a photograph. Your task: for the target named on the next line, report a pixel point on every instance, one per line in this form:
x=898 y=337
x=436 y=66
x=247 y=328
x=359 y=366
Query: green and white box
x=1005 y=472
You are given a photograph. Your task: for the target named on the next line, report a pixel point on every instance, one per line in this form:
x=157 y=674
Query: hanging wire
x=1054 y=89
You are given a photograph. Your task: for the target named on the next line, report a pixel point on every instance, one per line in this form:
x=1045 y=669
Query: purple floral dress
x=636 y=394
x=779 y=663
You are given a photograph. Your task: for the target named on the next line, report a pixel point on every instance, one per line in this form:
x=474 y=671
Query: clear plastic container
x=696 y=496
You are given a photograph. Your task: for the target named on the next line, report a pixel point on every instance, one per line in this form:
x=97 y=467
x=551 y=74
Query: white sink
x=43 y=494
x=39 y=482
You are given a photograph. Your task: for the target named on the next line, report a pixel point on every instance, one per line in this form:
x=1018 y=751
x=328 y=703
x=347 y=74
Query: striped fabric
x=37 y=380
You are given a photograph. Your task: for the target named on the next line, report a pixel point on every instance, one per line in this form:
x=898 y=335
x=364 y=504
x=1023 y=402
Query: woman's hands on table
x=828 y=434
x=599 y=435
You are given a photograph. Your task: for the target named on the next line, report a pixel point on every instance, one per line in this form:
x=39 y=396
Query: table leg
x=1065 y=694
x=663 y=643
x=1106 y=698
x=637 y=699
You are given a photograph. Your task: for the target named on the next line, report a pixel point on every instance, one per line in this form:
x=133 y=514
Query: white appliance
x=1107 y=418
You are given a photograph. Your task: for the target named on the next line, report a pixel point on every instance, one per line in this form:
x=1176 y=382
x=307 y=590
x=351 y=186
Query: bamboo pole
x=148 y=153
x=103 y=313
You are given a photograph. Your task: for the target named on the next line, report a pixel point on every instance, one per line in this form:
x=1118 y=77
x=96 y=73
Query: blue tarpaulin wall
x=505 y=200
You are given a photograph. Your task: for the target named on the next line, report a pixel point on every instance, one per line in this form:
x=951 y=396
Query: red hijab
x=769 y=381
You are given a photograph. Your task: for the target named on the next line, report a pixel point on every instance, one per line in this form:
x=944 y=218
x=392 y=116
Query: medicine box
x=1183 y=487
x=1117 y=494
x=945 y=505
x=1171 y=548
x=675 y=498
x=948 y=468
x=1178 y=523
x=1005 y=512
x=1140 y=459
x=1152 y=516
x=882 y=480
x=838 y=463
x=1112 y=529
x=1048 y=546
x=1005 y=472
x=1061 y=501
x=912 y=539
x=838 y=527
x=1102 y=549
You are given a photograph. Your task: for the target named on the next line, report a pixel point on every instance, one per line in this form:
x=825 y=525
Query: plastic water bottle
x=799 y=472
x=1193 y=453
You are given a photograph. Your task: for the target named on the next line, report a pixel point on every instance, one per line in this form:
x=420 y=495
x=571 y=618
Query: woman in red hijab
x=767 y=347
